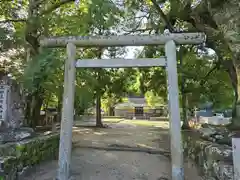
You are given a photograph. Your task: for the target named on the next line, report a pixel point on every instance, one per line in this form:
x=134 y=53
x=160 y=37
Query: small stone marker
x=11 y=103
x=12 y=112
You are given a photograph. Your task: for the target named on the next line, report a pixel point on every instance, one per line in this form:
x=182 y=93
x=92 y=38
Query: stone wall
x=213 y=160
x=16 y=158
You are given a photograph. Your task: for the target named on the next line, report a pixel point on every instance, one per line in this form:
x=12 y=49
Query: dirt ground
x=126 y=150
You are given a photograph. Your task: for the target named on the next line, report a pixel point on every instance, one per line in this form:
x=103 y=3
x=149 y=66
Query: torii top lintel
x=124 y=40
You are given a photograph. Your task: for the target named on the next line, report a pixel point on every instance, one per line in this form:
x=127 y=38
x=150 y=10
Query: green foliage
x=45 y=69
x=84 y=99
x=154 y=100
x=214 y=88
x=39 y=69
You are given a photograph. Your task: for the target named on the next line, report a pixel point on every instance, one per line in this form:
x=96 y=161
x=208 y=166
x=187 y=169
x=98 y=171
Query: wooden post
x=175 y=123
x=236 y=157
x=67 y=114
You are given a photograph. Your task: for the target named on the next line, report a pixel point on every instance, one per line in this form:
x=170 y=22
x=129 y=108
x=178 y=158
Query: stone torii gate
x=169 y=61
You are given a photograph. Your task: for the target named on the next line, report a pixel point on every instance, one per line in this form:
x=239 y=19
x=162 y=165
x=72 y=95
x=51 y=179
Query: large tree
x=219 y=21
x=33 y=19
x=30 y=18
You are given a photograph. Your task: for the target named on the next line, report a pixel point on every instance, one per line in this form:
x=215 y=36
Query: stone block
x=16 y=158
x=214 y=160
x=8 y=167
x=223 y=170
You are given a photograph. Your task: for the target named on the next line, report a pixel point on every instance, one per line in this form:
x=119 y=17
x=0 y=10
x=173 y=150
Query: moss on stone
x=16 y=156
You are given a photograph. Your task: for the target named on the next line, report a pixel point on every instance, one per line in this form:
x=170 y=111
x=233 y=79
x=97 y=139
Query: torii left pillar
x=65 y=146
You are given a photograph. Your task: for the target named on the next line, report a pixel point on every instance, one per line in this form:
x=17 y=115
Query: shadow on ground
x=126 y=150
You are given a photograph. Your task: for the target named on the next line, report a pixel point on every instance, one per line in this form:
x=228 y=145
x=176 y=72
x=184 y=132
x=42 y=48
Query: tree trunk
x=235 y=79
x=98 y=111
x=234 y=75
x=237 y=98
x=59 y=110
x=33 y=115
x=98 y=94
x=36 y=111
x=111 y=111
x=226 y=17
x=28 y=110
x=59 y=107
x=31 y=36
x=184 y=112
x=184 y=108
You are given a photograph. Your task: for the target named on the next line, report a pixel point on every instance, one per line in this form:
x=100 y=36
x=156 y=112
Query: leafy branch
x=12 y=20
x=163 y=16
x=55 y=6
x=44 y=12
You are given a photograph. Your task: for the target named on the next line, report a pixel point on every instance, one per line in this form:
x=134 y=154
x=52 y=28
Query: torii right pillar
x=174 y=112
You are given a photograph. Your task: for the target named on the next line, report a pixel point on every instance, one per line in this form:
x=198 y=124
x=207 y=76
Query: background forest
x=207 y=73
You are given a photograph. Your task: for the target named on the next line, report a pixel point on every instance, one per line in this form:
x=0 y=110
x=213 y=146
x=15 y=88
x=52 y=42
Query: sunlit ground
x=118 y=152
x=163 y=124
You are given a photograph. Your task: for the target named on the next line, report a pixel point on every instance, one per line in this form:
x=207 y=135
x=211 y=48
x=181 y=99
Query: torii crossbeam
x=169 y=61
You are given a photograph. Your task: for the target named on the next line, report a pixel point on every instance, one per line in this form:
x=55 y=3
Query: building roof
x=124 y=105
x=138 y=101
x=133 y=101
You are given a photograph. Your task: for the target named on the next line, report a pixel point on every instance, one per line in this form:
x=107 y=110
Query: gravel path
x=94 y=157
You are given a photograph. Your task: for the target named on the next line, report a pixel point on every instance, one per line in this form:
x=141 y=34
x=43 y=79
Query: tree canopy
x=204 y=76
